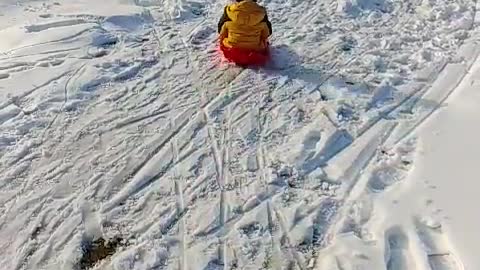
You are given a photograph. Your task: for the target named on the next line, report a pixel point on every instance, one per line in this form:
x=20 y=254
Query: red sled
x=244 y=57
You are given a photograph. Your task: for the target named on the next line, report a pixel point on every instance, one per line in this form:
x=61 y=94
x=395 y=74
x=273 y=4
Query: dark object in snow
x=97 y=250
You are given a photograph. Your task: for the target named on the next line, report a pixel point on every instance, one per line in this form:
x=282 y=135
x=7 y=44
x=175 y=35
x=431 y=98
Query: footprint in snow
x=397 y=255
x=436 y=245
x=384 y=177
x=202 y=35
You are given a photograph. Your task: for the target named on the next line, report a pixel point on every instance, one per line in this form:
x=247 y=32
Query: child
x=245 y=25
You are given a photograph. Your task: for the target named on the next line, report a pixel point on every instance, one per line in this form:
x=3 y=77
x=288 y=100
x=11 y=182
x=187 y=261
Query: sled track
x=353 y=173
x=219 y=164
x=422 y=120
x=163 y=142
x=180 y=207
x=226 y=129
x=220 y=151
x=17 y=99
x=262 y=119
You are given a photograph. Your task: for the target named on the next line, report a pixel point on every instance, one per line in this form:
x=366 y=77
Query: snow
x=354 y=149
x=449 y=170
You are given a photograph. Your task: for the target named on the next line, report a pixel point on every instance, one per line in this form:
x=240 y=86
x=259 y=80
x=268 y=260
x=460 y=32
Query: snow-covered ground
x=120 y=121
x=447 y=173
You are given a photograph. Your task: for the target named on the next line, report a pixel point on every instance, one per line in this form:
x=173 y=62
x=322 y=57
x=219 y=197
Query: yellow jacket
x=245 y=25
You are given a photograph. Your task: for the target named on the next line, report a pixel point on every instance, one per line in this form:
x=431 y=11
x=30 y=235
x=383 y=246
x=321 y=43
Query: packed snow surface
x=120 y=120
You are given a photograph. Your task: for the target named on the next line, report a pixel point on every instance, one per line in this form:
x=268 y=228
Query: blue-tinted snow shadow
x=287 y=62
x=334 y=145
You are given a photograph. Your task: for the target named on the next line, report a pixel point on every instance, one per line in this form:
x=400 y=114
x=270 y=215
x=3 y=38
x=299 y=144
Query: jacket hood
x=246 y=12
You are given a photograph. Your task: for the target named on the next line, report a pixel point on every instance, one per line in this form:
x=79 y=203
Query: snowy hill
x=126 y=142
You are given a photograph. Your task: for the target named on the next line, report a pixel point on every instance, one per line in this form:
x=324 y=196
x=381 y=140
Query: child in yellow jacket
x=245 y=25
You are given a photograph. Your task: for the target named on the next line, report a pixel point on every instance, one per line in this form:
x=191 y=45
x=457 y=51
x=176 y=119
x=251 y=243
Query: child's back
x=245 y=25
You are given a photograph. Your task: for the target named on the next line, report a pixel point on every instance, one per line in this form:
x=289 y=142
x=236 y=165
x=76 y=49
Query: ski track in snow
x=125 y=122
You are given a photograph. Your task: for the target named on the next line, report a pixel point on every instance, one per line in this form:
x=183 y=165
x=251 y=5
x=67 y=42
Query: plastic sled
x=243 y=57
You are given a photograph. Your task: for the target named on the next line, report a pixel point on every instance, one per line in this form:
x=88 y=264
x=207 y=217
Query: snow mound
x=131 y=22
x=355 y=7
x=53 y=24
x=101 y=38
x=175 y=9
